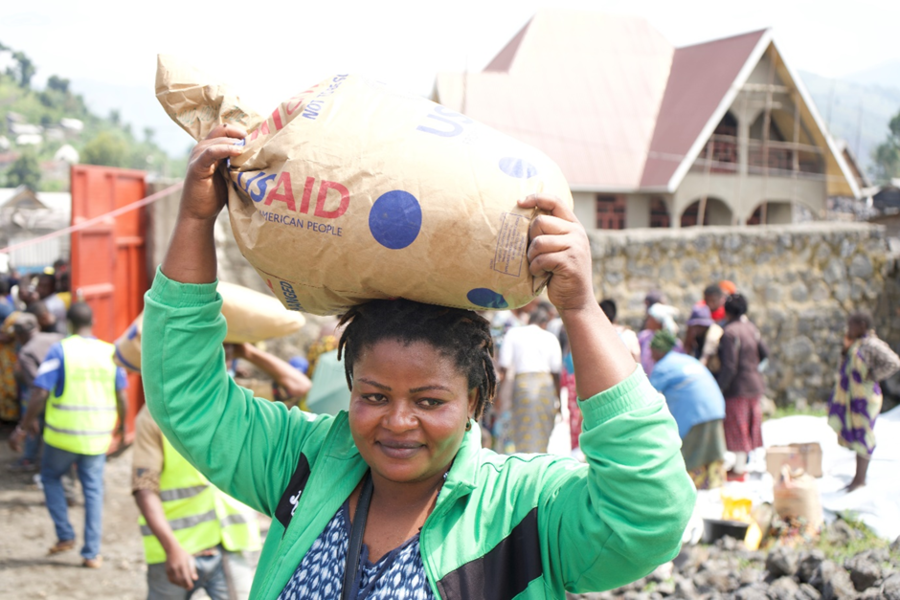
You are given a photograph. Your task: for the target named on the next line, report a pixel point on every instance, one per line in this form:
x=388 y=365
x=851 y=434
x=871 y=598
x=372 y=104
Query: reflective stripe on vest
x=83 y=419
x=185 y=523
x=199 y=515
x=87 y=408
x=181 y=493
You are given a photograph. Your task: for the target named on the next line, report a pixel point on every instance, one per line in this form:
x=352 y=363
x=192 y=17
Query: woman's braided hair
x=460 y=334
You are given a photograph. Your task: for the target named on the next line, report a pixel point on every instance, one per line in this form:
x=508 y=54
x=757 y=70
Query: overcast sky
x=269 y=50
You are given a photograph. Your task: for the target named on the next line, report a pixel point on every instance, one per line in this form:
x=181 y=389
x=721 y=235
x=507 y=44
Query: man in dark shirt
x=46 y=289
x=46 y=319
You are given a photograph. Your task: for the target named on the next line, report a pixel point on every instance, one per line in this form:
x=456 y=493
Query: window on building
x=659 y=213
x=722 y=147
x=756 y=217
x=691 y=215
x=610 y=212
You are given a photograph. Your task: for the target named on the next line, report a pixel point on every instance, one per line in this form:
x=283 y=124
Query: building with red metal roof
x=719 y=133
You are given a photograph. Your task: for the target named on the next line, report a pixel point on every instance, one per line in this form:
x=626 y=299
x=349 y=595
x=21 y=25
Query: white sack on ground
x=878 y=503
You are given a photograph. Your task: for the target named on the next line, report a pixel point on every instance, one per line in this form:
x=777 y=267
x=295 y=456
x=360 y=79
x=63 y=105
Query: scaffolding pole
x=767 y=123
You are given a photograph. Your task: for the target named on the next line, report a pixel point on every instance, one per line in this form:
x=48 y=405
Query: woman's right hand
x=559 y=247
x=191 y=257
x=205 y=191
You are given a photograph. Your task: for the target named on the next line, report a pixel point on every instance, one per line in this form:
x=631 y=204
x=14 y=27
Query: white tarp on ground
x=877 y=504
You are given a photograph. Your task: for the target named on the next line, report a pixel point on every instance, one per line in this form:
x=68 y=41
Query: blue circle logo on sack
x=395 y=219
x=486 y=298
x=518 y=168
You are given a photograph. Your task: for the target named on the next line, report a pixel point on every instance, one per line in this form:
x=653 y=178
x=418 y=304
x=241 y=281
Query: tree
x=25 y=171
x=23 y=70
x=887 y=154
x=106 y=149
x=59 y=84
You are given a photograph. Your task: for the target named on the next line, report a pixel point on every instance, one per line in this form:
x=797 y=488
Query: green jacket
x=520 y=526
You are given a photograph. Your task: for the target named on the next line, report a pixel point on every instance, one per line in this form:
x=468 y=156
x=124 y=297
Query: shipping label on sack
x=351 y=191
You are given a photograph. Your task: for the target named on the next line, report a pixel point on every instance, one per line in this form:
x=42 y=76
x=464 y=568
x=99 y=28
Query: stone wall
x=887 y=315
x=801 y=282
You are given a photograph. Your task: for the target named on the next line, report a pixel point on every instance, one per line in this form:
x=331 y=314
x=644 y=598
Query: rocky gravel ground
x=728 y=570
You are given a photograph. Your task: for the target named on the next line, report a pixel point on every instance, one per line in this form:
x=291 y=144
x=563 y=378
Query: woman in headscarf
x=856 y=400
x=702 y=337
x=697 y=404
x=659 y=317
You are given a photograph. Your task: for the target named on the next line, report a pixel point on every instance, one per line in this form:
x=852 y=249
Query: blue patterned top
x=399 y=574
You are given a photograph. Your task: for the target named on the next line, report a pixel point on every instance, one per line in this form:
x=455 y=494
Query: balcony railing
x=775 y=158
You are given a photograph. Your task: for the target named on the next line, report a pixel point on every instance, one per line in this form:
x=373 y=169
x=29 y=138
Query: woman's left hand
x=559 y=246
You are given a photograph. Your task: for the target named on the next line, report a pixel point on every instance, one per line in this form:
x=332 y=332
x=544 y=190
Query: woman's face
x=693 y=333
x=408 y=409
x=855 y=330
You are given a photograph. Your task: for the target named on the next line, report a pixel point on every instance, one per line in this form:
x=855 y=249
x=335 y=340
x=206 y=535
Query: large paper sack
x=797 y=496
x=350 y=191
x=251 y=317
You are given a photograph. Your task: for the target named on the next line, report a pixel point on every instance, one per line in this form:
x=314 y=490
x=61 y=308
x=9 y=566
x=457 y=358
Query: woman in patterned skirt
x=535 y=356
x=9 y=387
x=856 y=400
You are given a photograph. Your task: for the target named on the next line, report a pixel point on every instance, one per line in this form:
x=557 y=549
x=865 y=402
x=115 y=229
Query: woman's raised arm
x=559 y=246
x=247 y=447
x=191 y=257
x=616 y=520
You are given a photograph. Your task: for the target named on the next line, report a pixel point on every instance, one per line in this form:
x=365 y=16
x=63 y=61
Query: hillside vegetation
x=42 y=131
x=857 y=112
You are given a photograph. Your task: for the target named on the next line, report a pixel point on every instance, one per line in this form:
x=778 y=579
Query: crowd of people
x=720 y=357
x=365 y=459
x=39 y=301
x=711 y=374
x=69 y=400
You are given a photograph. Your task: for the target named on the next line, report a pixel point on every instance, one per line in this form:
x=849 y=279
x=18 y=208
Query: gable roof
x=503 y=61
x=582 y=86
x=699 y=84
x=614 y=104
x=19 y=197
x=44 y=211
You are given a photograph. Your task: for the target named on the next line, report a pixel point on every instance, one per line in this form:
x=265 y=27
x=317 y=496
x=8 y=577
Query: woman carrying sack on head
x=396 y=497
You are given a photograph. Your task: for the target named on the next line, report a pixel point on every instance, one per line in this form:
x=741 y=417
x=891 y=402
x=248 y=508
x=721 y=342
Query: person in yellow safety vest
x=195 y=536
x=86 y=393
